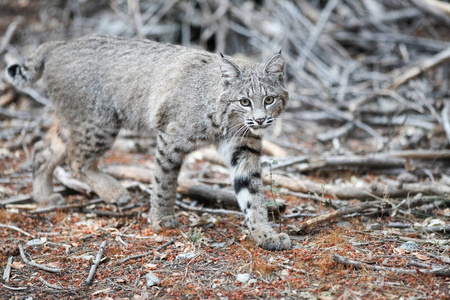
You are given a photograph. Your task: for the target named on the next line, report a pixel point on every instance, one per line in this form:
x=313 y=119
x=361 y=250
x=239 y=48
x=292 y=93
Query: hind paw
x=276 y=242
x=53 y=199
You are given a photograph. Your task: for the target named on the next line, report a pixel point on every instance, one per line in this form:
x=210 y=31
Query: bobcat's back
x=139 y=80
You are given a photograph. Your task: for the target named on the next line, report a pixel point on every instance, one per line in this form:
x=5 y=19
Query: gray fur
x=99 y=84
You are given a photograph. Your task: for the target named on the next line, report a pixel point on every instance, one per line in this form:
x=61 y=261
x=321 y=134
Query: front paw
x=122 y=200
x=167 y=222
x=276 y=242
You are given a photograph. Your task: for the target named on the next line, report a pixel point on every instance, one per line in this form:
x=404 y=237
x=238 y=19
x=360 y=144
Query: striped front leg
x=243 y=160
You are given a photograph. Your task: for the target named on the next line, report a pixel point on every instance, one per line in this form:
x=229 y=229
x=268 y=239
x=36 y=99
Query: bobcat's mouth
x=258 y=130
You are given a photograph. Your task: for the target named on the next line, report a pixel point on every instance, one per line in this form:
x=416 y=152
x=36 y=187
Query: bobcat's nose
x=260 y=121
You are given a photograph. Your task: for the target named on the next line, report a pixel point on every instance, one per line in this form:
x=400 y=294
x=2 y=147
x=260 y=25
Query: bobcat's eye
x=269 y=100
x=245 y=102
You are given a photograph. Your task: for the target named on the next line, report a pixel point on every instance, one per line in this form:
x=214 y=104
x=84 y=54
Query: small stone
x=218 y=245
x=88 y=257
x=151 y=279
x=185 y=256
x=35 y=242
x=410 y=246
x=407 y=177
x=344 y=224
x=244 y=278
x=375 y=226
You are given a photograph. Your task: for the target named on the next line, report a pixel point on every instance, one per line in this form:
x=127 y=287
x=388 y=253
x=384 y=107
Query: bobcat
x=99 y=84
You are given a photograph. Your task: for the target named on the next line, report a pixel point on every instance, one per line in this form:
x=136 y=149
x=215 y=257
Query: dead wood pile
x=368 y=120
x=368 y=81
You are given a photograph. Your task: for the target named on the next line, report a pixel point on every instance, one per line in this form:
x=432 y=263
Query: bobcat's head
x=253 y=95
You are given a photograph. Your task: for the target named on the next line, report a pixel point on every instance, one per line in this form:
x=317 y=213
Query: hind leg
x=86 y=146
x=48 y=154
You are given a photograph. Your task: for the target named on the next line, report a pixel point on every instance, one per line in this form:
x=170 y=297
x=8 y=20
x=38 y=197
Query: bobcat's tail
x=31 y=69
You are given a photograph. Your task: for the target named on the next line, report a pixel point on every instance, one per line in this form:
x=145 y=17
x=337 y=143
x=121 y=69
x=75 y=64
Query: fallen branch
x=109 y=214
x=9 y=33
x=302 y=227
x=188 y=188
x=394 y=159
x=23 y=199
x=208 y=210
x=30 y=263
x=339 y=114
x=316 y=31
x=415 y=71
x=208 y=194
x=19 y=199
x=367 y=191
x=440 y=229
x=445 y=271
x=15 y=228
x=13 y=288
x=445 y=119
x=141 y=174
x=369 y=161
x=35 y=95
x=395 y=189
x=421 y=154
x=440 y=10
x=66 y=207
x=94 y=267
x=53 y=286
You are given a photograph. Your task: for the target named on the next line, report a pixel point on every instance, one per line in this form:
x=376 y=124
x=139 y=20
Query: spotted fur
x=100 y=84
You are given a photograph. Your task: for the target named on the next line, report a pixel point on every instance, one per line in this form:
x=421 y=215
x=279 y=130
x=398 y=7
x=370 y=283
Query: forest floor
x=365 y=201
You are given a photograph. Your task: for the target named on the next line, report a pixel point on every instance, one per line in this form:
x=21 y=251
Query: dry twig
x=30 y=263
x=427 y=64
x=445 y=271
x=208 y=210
x=7 y=270
x=53 y=286
x=66 y=207
x=15 y=228
x=187 y=266
x=97 y=262
x=147 y=253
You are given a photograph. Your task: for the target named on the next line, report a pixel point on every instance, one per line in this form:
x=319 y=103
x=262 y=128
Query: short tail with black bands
x=31 y=69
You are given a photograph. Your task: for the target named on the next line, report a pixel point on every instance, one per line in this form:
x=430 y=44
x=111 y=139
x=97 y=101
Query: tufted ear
x=275 y=66
x=229 y=70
